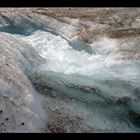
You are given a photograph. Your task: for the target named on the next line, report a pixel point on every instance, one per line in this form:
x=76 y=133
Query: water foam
x=62 y=57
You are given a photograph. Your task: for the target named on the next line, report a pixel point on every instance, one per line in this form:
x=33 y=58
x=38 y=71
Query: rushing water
x=109 y=87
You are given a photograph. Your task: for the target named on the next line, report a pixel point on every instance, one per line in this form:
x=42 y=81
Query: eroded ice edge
x=109 y=87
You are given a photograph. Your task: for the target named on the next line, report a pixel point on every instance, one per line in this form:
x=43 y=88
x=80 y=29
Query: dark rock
x=2 y=123
x=22 y=123
x=6 y=119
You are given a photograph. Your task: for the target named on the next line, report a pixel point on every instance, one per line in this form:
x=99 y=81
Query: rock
x=56 y=108
x=22 y=123
x=2 y=123
x=6 y=119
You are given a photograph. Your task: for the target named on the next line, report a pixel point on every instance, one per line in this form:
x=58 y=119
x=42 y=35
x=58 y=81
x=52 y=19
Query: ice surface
x=92 y=75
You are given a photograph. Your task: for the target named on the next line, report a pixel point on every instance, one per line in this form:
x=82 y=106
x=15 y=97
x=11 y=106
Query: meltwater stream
x=109 y=87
